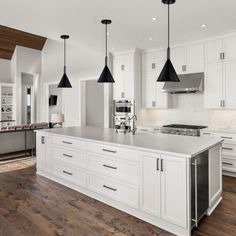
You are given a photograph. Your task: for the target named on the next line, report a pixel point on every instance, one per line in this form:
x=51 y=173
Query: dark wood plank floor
x=31 y=205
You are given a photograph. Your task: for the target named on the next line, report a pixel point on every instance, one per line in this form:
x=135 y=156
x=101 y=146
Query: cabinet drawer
x=71 y=174
x=226 y=136
x=116 y=168
x=112 y=189
x=113 y=151
x=229 y=164
x=70 y=157
x=229 y=149
x=70 y=143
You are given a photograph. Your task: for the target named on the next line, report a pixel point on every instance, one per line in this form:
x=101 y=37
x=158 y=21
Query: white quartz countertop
x=184 y=146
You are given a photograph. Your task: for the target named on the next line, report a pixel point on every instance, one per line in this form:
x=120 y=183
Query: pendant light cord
x=64 y=55
x=106 y=47
x=168 y=49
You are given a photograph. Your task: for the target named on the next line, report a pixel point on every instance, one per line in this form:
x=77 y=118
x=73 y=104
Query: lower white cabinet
x=164 y=188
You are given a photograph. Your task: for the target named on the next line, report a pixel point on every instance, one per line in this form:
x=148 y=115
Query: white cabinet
x=164 y=183
x=127 y=76
x=174 y=190
x=151 y=184
x=220 y=73
x=153 y=97
x=188 y=59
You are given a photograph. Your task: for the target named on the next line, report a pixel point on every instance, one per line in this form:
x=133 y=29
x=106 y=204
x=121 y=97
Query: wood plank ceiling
x=10 y=37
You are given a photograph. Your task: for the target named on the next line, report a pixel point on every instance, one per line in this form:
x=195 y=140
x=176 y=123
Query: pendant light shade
x=64 y=82
x=168 y=73
x=106 y=76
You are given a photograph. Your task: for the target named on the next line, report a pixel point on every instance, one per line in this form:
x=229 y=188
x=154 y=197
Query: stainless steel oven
x=124 y=107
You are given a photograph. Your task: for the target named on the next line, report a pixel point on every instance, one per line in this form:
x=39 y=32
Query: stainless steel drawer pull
x=107 y=150
x=161 y=164
x=111 y=167
x=66 y=142
x=226 y=137
x=157 y=164
x=65 y=155
x=226 y=163
x=229 y=149
x=113 y=189
x=143 y=129
x=66 y=172
x=206 y=133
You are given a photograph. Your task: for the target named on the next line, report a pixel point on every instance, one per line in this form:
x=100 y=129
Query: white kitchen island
x=145 y=175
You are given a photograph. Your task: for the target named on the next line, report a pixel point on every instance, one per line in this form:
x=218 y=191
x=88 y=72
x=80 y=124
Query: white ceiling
x=132 y=20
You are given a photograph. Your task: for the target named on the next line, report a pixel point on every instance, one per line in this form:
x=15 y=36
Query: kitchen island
x=149 y=176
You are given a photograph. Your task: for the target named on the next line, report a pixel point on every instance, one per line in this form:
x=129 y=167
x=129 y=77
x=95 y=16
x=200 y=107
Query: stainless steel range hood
x=189 y=83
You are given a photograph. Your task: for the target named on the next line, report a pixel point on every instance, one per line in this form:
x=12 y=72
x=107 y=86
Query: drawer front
x=73 y=175
x=116 y=168
x=70 y=157
x=70 y=143
x=112 y=189
x=226 y=136
x=229 y=164
x=229 y=149
x=113 y=151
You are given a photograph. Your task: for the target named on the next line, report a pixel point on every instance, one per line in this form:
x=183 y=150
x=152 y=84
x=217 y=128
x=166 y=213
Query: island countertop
x=184 y=146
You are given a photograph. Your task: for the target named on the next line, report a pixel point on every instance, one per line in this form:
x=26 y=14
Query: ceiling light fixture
x=168 y=73
x=154 y=18
x=203 y=25
x=106 y=76
x=64 y=82
x=150 y=38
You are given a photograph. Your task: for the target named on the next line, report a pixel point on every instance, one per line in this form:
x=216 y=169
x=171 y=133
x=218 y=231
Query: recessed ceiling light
x=203 y=25
x=108 y=33
x=150 y=38
x=154 y=18
x=112 y=48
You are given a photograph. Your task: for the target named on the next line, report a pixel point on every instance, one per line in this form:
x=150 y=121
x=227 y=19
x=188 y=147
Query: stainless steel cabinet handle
x=107 y=150
x=66 y=142
x=157 y=164
x=226 y=163
x=122 y=95
x=229 y=149
x=111 y=167
x=223 y=103
x=153 y=65
x=43 y=140
x=206 y=133
x=143 y=129
x=162 y=165
x=122 y=67
x=66 y=155
x=153 y=103
x=221 y=57
x=113 y=189
x=66 y=172
x=226 y=137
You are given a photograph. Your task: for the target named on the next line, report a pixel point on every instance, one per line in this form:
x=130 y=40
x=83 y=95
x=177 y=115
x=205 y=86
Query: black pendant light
x=64 y=83
x=168 y=73
x=106 y=76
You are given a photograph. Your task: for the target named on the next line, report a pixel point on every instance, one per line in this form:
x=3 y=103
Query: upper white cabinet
x=153 y=97
x=127 y=75
x=188 y=59
x=220 y=73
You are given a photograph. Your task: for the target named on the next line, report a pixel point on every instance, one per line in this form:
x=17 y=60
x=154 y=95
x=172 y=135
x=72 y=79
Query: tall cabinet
x=220 y=69
x=127 y=76
x=7 y=103
x=152 y=64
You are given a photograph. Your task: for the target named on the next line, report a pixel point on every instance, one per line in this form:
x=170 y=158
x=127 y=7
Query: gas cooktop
x=189 y=130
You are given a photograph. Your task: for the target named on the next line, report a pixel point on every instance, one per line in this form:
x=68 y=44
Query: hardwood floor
x=31 y=205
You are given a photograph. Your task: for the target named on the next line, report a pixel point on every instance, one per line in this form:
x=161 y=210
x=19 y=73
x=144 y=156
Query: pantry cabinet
x=127 y=75
x=220 y=73
x=153 y=97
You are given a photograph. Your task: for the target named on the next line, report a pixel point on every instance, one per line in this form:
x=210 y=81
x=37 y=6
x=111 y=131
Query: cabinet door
x=129 y=85
x=149 y=62
x=215 y=175
x=149 y=89
x=229 y=48
x=40 y=152
x=178 y=58
x=174 y=190
x=229 y=69
x=213 y=86
x=150 y=196
x=213 y=50
x=195 y=58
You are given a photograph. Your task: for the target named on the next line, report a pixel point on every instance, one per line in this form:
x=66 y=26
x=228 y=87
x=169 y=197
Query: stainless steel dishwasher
x=199 y=187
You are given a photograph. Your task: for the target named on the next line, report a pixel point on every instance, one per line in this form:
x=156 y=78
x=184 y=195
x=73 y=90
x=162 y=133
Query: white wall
x=5 y=71
x=189 y=109
x=53 y=90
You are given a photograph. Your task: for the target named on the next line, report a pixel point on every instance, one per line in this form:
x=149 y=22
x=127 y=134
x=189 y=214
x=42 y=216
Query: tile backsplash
x=189 y=109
